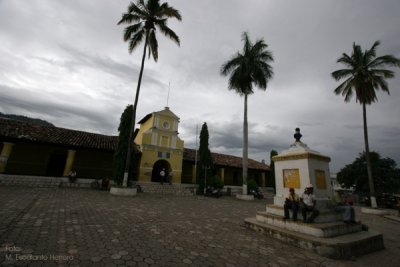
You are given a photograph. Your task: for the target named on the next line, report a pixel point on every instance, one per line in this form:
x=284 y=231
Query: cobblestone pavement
x=81 y=227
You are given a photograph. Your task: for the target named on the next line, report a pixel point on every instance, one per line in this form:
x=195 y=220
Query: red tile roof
x=16 y=130
x=226 y=160
x=12 y=130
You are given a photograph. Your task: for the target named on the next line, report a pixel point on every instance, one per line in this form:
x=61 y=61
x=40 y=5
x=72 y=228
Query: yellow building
x=161 y=148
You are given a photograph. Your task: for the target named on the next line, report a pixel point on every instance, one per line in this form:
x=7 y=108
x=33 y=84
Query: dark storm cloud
x=73 y=50
x=82 y=59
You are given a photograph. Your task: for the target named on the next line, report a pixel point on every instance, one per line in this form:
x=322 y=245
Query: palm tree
x=143 y=20
x=247 y=69
x=365 y=74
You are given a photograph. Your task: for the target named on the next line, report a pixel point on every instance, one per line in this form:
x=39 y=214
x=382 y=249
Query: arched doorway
x=56 y=163
x=157 y=167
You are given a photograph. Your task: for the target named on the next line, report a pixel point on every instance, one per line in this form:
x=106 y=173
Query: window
x=164 y=155
x=166 y=125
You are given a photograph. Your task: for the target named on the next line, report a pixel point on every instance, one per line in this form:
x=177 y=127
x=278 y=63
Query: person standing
x=291 y=202
x=170 y=177
x=162 y=175
x=344 y=205
x=308 y=204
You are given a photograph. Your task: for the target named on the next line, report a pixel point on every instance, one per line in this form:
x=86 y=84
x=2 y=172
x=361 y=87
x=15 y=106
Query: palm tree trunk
x=245 y=147
x=369 y=169
x=134 y=107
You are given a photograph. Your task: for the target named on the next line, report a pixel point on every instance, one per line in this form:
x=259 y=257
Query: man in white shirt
x=162 y=175
x=308 y=203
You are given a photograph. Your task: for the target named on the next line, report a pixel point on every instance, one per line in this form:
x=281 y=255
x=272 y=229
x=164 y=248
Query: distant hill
x=26 y=119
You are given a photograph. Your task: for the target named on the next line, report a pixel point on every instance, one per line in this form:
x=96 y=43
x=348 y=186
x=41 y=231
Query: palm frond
x=168 y=32
x=234 y=62
x=128 y=18
x=247 y=43
x=153 y=45
x=346 y=59
x=137 y=9
x=387 y=60
x=135 y=40
x=169 y=12
x=371 y=53
x=380 y=83
x=343 y=73
x=383 y=72
x=131 y=30
x=345 y=89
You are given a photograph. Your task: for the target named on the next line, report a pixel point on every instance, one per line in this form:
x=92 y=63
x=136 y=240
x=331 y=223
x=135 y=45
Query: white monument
x=298 y=167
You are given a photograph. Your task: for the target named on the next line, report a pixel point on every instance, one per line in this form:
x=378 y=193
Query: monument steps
x=325 y=229
x=325 y=214
x=344 y=246
x=307 y=171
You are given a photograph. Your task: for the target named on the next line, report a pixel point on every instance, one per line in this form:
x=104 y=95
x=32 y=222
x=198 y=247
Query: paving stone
x=98 y=229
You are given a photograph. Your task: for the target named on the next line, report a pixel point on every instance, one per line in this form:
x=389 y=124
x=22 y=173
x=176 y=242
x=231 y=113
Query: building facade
x=27 y=149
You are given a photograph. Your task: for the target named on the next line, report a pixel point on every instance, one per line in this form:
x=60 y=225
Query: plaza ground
x=83 y=227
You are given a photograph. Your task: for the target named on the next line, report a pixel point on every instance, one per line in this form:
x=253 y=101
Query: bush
x=252 y=185
x=217 y=182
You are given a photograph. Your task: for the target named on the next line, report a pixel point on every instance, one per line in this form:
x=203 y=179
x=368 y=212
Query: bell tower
x=160 y=146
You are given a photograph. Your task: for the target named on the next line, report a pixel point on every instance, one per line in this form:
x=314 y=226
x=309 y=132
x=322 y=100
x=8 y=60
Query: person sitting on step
x=308 y=203
x=291 y=202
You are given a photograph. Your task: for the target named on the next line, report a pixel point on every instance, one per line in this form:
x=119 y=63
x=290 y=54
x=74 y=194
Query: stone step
x=338 y=247
x=327 y=229
x=325 y=215
x=75 y=185
x=29 y=181
x=174 y=189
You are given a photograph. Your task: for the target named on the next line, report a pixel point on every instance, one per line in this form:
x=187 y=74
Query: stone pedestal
x=123 y=191
x=244 y=197
x=298 y=167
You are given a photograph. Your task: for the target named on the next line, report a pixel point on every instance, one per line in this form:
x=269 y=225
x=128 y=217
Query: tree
x=120 y=154
x=272 y=168
x=143 y=20
x=384 y=170
x=365 y=74
x=247 y=69
x=205 y=168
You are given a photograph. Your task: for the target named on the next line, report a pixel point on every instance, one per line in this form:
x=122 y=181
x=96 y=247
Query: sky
x=66 y=62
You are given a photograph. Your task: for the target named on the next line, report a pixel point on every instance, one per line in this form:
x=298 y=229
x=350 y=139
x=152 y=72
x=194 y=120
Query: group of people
x=165 y=177
x=307 y=203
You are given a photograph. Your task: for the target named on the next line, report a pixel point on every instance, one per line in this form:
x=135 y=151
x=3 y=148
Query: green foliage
x=205 y=166
x=386 y=175
x=143 y=19
x=272 y=168
x=365 y=74
x=122 y=148
x=249 y=67
x=217 y=182
x=252 y=185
